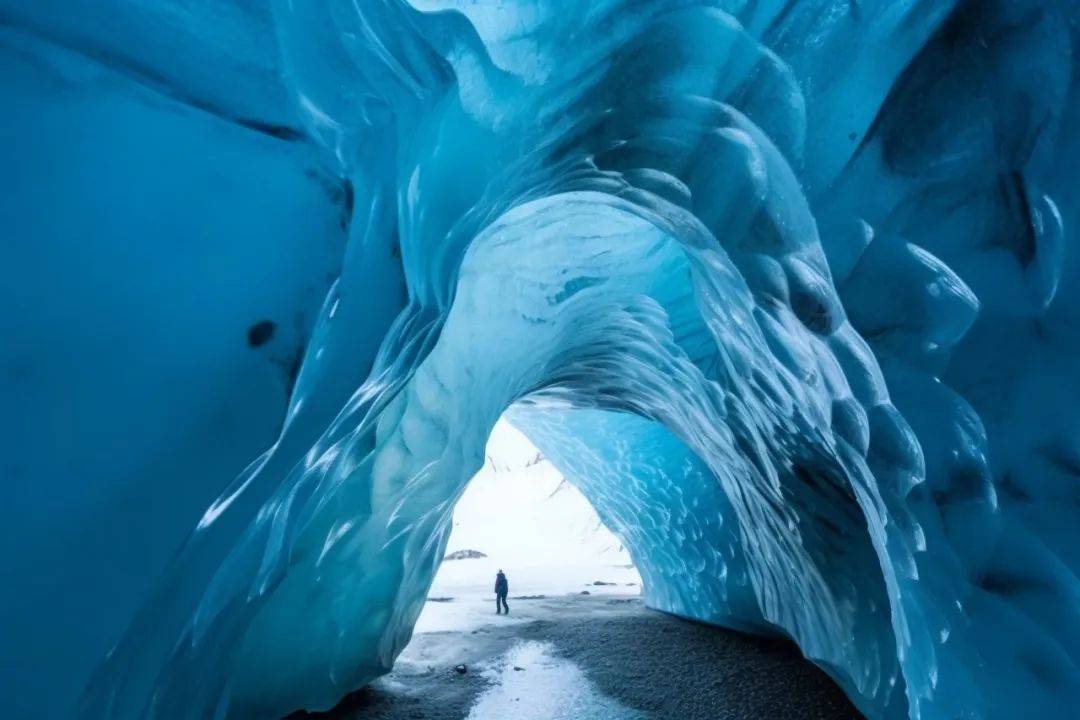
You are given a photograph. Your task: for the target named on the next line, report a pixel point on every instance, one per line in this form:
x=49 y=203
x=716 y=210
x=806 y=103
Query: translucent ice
x=786 y=289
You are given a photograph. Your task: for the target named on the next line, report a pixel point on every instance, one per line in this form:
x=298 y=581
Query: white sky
x=520 y=512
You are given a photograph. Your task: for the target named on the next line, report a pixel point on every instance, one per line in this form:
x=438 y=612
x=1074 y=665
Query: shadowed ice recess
x=785 y=288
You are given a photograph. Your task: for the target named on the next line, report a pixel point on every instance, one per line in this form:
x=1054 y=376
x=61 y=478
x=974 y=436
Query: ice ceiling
x=785 y=288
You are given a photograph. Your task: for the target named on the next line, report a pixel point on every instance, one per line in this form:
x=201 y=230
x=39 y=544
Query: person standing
x=502 y=589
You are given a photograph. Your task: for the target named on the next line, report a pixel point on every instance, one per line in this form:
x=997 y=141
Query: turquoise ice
x=785 y=288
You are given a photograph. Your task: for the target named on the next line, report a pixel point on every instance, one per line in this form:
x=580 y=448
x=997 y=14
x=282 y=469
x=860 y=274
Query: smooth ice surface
x=787 y=289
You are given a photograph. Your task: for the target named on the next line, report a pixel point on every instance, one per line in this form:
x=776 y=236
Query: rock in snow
x=465 y=555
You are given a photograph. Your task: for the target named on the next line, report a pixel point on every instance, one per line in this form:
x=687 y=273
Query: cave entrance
x=579 y=642
x=520 y=515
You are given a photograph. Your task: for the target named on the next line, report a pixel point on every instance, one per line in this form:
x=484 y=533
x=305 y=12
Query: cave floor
x=602 y=656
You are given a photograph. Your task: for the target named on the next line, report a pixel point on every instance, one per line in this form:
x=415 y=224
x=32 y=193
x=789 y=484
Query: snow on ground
x=532 y=683
x=463 y=595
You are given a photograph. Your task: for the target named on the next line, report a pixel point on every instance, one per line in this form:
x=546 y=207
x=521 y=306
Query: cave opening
x=583 y=638
x=519 y=514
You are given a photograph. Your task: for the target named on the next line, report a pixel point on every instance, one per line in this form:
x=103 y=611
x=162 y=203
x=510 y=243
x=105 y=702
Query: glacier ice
x=784 y=288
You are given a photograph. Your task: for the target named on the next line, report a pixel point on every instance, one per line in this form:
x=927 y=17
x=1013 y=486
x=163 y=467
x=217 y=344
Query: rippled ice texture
x=785 y=288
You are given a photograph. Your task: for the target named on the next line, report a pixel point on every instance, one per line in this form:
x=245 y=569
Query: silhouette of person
x=502 y=588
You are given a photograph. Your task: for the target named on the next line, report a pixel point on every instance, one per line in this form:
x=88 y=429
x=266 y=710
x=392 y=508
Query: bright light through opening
x=525 y=519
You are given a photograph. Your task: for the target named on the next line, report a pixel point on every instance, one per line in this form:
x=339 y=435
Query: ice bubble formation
x=784 y=288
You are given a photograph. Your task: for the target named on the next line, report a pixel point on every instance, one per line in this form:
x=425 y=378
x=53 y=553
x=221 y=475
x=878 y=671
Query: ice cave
x=785 y=288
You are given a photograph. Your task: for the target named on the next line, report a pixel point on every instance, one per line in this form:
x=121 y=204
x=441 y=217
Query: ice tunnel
x=785 y=288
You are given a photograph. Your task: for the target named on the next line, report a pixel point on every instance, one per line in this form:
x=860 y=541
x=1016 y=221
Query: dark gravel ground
x=672 y=668
x=665 y=667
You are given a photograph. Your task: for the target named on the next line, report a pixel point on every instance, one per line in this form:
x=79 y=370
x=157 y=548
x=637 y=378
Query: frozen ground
x=595 y=657
x=462 y=596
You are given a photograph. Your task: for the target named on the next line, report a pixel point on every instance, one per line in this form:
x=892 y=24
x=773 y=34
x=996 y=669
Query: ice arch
x=784 y=288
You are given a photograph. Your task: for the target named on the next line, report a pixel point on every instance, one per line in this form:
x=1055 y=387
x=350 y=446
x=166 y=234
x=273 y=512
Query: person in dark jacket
x=502 y=588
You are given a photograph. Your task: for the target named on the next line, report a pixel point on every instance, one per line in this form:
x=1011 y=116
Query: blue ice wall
x=134 y=226
x=787 y=289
